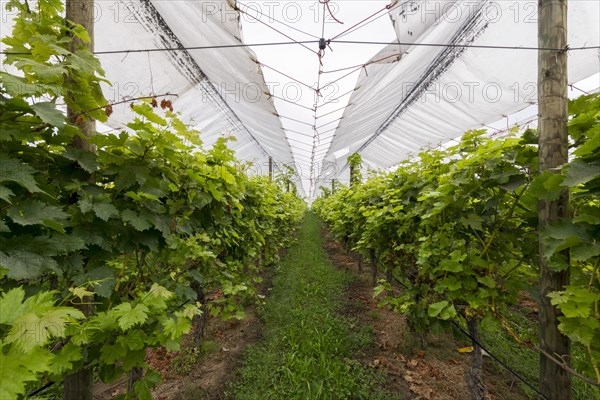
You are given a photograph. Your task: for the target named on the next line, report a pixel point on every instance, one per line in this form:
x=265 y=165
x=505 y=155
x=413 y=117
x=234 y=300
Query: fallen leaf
x=424 y=391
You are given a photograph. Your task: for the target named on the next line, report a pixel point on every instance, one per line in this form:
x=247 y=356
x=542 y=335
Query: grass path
x=308 y=344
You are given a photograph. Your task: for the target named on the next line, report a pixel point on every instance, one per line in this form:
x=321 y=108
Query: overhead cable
x=230 y=46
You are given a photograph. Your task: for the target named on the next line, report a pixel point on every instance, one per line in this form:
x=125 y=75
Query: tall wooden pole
x=78 y=385
x=555 y=382
x=81 y=12
x=270 y=168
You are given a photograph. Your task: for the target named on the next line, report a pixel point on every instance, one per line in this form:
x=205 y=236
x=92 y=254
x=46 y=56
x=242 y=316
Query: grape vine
x=150 y=231
x=457 y=229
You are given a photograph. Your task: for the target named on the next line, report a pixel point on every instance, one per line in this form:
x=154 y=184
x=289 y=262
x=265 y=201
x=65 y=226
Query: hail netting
x=433 y=94
x=221 y=91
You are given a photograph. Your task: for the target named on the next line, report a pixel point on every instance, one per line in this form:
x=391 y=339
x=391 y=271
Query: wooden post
x=555 y=382
x=332 y=185
x=373 y=258
x=79 y=385
x=474 y=375
x=81 y=12
x=389 y=276
x=270 y=168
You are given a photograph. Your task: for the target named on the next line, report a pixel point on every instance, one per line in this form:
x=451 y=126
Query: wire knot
x=322 y=44
x=565 y=49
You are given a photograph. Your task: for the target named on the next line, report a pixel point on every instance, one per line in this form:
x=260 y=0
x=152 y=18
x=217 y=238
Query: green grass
x=526 y=361
x=308 y=345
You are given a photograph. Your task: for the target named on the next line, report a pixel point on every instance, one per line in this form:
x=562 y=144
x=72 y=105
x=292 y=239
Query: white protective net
x=435 y=93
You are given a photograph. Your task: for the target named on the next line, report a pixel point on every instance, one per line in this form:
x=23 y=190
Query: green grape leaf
x=6 y=194
x=591 y=145
x=60 y=244
x=85 y=159
x=138 y=222
x=448 y=313
x=546 y=186
x=134 y=340
x=3 y=227
x=218 y=195
x=487 y=281
x=473 y=221
x=11 y=306
x=227 y=176
x=451 y=266
x=585 y=251
x=172 y=345
x=129 y=317
x=49 y=114
x=102 y=278
x=111 y=353
x=580 y=172
x=561 y=236
x=176 y=327
x=23 y=264
x=146 y=110
x=450 y=283
x=32 y=212
x=16 y=369
x=65 y=359
x=582 y=330
x=105 y=211
x=13 y=171
x=85 y=204
x=436 y=309
x=575 y=302
x=32 y=330
x=15 y=86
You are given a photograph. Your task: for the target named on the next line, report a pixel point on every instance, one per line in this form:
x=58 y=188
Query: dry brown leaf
x=412 y=378
x=424 y=391
x=164 y=104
